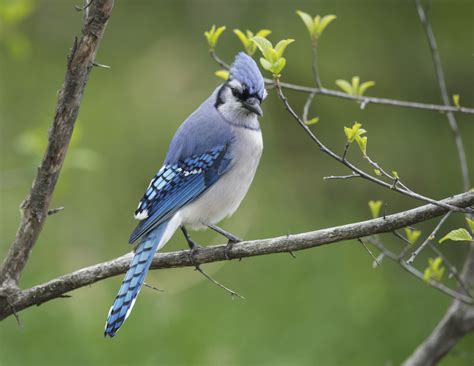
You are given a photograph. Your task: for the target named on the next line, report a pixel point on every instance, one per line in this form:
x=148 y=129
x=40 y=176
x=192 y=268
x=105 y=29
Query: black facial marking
x=242 y=96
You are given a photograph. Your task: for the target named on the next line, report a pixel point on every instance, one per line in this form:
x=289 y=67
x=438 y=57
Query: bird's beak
x=253 y=105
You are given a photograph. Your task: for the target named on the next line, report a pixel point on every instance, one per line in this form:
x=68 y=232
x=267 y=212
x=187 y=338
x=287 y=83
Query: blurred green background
x=326 y=307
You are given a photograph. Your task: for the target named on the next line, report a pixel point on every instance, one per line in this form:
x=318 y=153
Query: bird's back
x=203 y=130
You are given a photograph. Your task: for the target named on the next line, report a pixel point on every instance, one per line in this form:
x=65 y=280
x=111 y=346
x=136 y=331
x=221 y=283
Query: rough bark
x=60 y=286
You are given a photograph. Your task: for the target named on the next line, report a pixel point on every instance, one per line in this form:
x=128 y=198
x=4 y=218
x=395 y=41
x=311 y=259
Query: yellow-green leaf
x=362 y=142
x=434 y=271
x=345 y=86
x=265 y=64
x=216 y=36
x=457 y=235
x=213 y=35
x=312 y=121
x=364 y=86
x=243 y=38
x=223 y=74
x=262 y=33
x=470 y=223
x=281 y=46
x=456 y=100
x=354 y=131
x=412 y=235
x=264 y=46
x=325 y=21
x=355 y=85
x=278 y=66
x=375 y=207
x=377 y=172
x=307 y=20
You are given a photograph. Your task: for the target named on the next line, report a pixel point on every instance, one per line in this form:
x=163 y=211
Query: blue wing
x=177 y=184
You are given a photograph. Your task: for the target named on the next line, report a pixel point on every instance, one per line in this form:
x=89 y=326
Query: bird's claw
x=229 y=246
x=192 y=254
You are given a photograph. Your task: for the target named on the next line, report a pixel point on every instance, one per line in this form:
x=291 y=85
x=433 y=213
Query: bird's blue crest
x=245 y=70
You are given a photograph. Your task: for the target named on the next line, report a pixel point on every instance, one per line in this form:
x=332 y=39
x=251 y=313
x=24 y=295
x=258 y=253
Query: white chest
x=225 y=196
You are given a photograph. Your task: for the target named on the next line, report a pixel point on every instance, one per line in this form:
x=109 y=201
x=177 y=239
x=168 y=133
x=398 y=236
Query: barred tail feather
x=134 y=279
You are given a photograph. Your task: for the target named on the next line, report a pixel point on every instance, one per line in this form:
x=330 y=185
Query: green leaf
x=456 y=100
x=278 y=66
x=281 y=46
x=246 y=39
x=265 y=64
x=434 y=271
x=470 y=223
x=355 y=85
x=378 y=172
x=262 y=33
x=208 y=34
x=412 y=235
x=264 y=46
x=217 y=34
x=362 y=142
x=312 y=121
x=223 y=74
x=345 y=86
x=354 y=131
x=213 y=35
x=364 y=86
x=395 y=174
x=457 y=235
x=375 y=207
x=243 y=38
x=307 y=20
x=325 y=21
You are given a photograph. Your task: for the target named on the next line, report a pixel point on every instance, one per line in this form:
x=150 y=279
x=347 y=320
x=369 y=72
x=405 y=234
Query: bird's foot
x=193 y=251
x=229 y=246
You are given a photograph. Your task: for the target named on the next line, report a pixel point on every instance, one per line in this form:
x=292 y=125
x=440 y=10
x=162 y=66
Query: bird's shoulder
x=204 y=130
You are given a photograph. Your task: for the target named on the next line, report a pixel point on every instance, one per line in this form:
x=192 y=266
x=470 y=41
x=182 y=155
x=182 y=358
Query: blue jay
x=208 y=169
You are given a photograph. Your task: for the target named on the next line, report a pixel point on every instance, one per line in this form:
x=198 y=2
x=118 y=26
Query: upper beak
x=253 y=105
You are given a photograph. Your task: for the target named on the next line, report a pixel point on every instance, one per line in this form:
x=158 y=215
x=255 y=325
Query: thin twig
x=307 y=105
x=96 y=64
x=314 y=63
x=413 y=271
x=452 y=269
x=349 y=165
x=430 y=237
x=359 y=99
x=232 y=293
x=85 y=6
x=369 y=251
x=444 y=93
x=55 y=210
x=353 y=175
x=153 y=287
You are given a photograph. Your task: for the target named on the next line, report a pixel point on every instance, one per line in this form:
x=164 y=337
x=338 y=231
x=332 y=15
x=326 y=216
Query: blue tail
x=133 y=280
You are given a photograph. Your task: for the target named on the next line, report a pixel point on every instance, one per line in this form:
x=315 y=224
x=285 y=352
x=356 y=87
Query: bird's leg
x=232 y=239
x=193 y=246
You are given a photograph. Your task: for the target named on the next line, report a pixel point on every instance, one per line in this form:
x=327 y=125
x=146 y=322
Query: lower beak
x=253 y=105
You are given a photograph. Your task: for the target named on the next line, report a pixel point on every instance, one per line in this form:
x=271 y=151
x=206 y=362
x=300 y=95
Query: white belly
x=225 y=196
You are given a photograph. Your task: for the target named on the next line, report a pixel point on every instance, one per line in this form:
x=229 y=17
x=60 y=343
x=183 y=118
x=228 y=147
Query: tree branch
x=35 y=206
x=284 y=244
x=360 y=99
x=444 y=93
x=459 y=318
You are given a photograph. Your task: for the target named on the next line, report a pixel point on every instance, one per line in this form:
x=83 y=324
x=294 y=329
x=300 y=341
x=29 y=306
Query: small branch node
x=55 y=210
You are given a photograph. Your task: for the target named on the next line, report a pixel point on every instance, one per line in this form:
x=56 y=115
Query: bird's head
x=241 y=95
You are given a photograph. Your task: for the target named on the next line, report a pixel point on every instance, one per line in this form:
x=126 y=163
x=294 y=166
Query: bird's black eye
x=235 y=92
